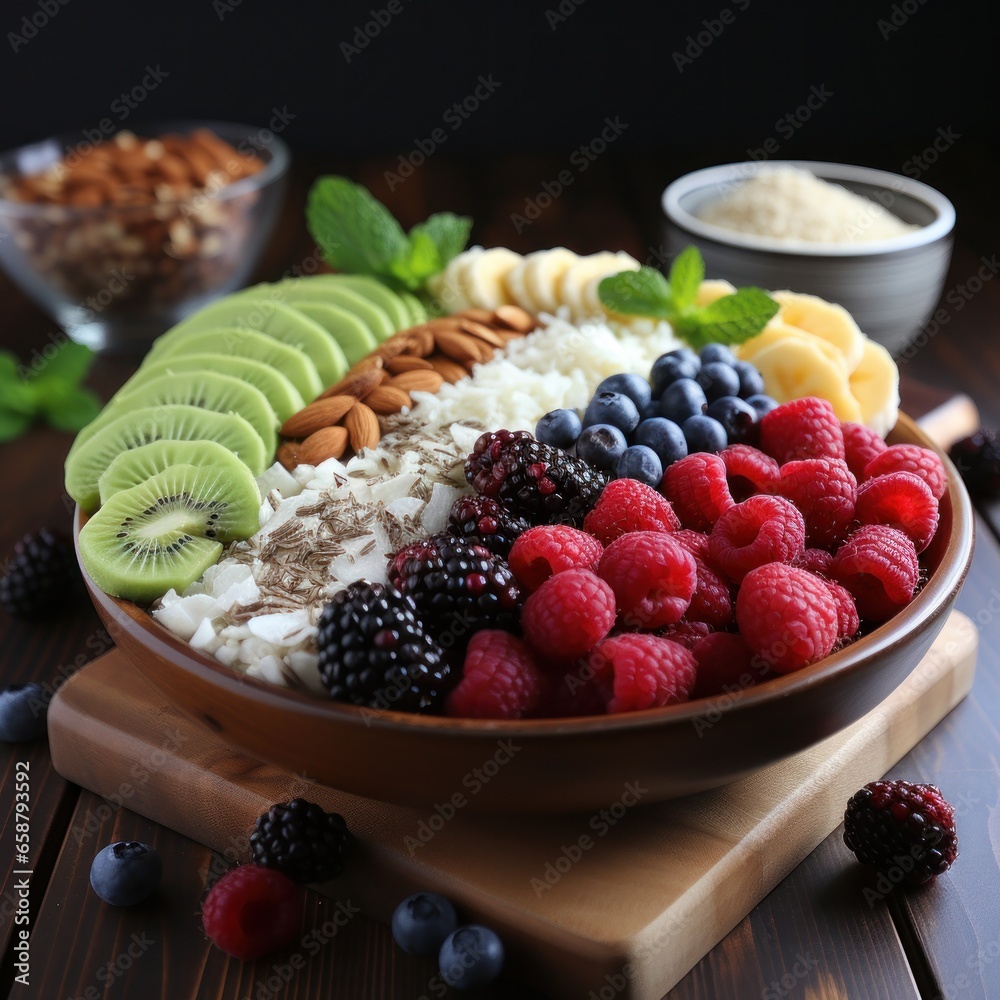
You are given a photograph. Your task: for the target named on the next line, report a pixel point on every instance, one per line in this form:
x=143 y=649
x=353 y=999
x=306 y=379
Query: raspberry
x=252 y=911
x=569 y=614
x=824 y=490
x=900 y=825
x=696 y=542
x=748 y=470
x=803 y=428
x=645 y=671
x=724 y=665
x=712 y=602
x=787 y=616
x=912 y=458
x=576 y=692
x=901 y=500
x=483 y=521
x=814 y=561
x=500 y=679
x=759 y=530
x=548 y=549
x=653 y=578
x=533 y=480
x=628 y=505
x=878 y=566
x=848 y=622
x=686 y=632
x=696 y=486
x=301 y=840
x=861 y=445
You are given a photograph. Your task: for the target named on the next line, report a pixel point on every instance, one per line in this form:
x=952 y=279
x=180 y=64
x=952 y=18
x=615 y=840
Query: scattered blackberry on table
x=901 y=825
x=483 y=521
x=124 y=874
x=533 y=480
x=40 y=575
x=977 y=458
x=301 y=840
x=374 y=651
x=457 y=585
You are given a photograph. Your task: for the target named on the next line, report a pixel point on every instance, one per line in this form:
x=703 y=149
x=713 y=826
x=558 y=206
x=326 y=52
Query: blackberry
x=533 y=480
x=483 y=521
x=374 y=652
x=901 y=825
x=40 y=575
x=301 y=840
x=977 y=458
x=458 y=586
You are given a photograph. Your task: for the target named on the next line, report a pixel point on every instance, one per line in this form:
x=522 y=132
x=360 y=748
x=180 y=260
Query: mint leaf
x=13 y=425
x=69 y=363
x=449 y=232
x=686 y=274
x=420 y=260
x=732 y=319
x=637 y=293
x=355 y=231
x=70 y=407
x=21 y=397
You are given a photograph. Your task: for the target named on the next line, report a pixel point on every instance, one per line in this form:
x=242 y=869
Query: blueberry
x=421 y=923
x=762 y=404
x=668 y=368
x=612 y=408
x=642 y=463
x=23 y=710
x=751 y=380
x=718 y=379
x=704 y=434
x=601 y=445
x=717 y=354
x=471 y=957
x=124 y=874
x=737 y=416
x=683 y=399
x=634 y=386
x=559 y=428
x=664 y=437
x=652 y=409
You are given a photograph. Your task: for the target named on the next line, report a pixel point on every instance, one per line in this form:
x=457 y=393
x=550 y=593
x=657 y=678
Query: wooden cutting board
x=621 y=902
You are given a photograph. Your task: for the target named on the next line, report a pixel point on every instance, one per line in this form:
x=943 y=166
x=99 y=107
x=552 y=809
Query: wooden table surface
x=816 y=936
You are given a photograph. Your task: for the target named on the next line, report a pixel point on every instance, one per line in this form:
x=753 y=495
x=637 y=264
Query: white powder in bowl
x=794 y=206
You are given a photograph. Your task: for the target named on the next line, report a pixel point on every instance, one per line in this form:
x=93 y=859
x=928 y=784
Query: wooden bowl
x=556 y=765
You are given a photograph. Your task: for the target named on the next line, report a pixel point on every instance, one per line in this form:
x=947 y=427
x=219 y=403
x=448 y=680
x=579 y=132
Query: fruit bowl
x=557 y=765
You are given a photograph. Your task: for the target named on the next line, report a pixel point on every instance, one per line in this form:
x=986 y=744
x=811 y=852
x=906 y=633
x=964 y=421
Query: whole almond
x=478 y=315
x=398 y=343
x=482 y=332
x=330 y=442
x=418 y=381
x=407 y=363
x=515 y=318
x=356 y=383
x=421 y=341
x=449 y=370
x=461 y=347
x=388 y=399
x=362 y=427
x=288 y=455
x=322 y=413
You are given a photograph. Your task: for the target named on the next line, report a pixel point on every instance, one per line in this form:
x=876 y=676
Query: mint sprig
x=731 y=319
x=357 y=234
x=48 y=390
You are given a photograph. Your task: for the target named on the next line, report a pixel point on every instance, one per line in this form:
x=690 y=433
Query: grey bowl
x=890 y=286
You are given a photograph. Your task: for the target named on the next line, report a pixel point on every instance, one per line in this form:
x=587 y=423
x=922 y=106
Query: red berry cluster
x=750 y=562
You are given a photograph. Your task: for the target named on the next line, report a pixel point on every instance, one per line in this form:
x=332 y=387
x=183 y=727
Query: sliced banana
x=795 y=367
x=777 y=332
x=714 y=288
x=447 y=287
x=544 y=271
x=579 y=289
x=517 y=287
x=483 y=278
x=875 y=386
x=826 y=320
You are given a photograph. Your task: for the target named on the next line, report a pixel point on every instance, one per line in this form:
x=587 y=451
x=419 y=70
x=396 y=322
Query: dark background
x=898 y=74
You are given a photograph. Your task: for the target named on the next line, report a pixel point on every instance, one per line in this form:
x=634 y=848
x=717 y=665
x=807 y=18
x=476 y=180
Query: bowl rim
x=936 y=594
x=275 y=166
x=729 y=173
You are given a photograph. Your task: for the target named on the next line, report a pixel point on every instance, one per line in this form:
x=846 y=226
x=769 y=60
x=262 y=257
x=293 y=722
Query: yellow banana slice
x=544 y=271
x=826 y=320
x=516 y=285
x=875 y=386
x=447 y=286
x=714 y=288
x=483 y=278
x=574 y=291
x=777 y=332
x=796 y=367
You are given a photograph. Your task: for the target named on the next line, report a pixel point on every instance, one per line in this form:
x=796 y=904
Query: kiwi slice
x=165 y=532
x=327 y=288
x=208 y=389
x=278 y=389
x=267 y=314
x=355 y=339
x=133 y=467
x=241 y=342
x=86 y=463
x=378 y=294
x=418 y=314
